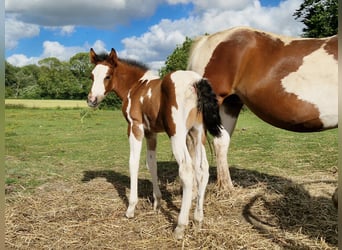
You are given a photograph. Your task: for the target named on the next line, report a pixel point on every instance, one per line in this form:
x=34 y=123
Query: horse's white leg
x=221 y=145
x=229 y=113
x=134 y=159
x=202 y=177
x=191 y=144
x=186 y=176
x=151 y=161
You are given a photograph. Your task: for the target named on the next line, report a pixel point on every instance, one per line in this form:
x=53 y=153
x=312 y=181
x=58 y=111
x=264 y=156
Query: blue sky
x=145 y=30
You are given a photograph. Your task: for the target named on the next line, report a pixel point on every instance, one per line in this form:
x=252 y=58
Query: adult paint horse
x=287 y=82
x=181 y=104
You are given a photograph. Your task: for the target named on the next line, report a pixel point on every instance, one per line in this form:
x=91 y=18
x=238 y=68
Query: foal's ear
x=113 y=56
x=92 y=56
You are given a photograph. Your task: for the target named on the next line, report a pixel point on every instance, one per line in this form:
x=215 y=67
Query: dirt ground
x=263 y=212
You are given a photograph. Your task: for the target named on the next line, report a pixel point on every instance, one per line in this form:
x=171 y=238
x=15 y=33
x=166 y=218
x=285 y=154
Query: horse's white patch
x=149 y=93
x=149 y=76
x=99 y=74
x=128 y=109
x=185 y=97
x=316 y=82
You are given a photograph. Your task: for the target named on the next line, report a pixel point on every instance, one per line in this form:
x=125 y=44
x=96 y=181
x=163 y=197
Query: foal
x=181 y=104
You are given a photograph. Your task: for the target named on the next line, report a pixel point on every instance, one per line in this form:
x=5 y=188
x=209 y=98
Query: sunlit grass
x=44 y=145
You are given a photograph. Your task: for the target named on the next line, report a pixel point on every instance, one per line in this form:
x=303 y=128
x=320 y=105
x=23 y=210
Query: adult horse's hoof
x=225 y=185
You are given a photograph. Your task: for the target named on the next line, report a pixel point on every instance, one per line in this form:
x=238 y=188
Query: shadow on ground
x=283 y=206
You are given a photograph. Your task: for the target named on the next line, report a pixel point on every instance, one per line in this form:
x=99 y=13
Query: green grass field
x=28 y=103
x=48 y=144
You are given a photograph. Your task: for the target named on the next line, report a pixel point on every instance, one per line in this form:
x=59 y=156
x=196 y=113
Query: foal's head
x=102 y=76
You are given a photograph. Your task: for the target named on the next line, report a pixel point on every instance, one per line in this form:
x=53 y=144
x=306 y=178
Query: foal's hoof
x=179 y=232
x=129 y=213
x=156 y=205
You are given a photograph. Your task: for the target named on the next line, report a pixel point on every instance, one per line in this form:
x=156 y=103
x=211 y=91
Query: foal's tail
x=207 y=104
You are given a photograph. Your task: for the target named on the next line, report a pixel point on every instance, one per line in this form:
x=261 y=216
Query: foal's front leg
x=134 y=159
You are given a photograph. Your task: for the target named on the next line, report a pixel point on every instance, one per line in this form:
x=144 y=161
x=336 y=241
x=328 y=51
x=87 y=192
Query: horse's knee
x=186 y=174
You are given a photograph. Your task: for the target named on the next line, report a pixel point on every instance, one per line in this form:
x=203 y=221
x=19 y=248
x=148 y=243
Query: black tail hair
x=207 y=104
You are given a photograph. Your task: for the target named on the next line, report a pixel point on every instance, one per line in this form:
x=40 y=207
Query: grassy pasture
x=67 y=186
x=28 y=103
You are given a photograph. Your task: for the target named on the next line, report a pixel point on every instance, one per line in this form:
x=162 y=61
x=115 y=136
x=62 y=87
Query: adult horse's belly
x=295 y=110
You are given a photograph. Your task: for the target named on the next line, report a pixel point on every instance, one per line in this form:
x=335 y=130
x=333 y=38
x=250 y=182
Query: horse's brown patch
x=252 y=64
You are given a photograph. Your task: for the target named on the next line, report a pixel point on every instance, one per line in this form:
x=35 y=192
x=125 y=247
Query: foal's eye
x=107 y=78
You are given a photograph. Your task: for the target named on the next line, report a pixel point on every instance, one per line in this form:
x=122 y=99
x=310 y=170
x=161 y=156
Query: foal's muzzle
x=92 y=102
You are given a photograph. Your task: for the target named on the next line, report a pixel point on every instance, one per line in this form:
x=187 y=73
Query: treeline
x=53 y=79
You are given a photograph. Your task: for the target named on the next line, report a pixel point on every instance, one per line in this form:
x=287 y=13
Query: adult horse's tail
x=208 y=106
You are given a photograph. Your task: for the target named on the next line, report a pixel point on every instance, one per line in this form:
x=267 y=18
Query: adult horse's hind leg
x=151 y=161
x=229 y=112
x=221 y=145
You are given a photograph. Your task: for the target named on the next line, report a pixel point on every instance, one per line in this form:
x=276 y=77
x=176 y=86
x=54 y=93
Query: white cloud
x=105 y=13
x=15 y=30
x=153 y=46
x=99 y=46
x=20 y=60
x=204 y=5
x=161 y=39
x=67 y=30
x=54 y=49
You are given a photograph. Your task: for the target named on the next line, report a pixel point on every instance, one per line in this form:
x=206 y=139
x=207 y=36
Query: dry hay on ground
x=263 y=212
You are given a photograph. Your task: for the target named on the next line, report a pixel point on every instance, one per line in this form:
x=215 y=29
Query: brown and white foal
x=181 y=104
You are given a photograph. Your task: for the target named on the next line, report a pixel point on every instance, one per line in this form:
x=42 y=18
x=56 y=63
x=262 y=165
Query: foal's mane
x=131 y=62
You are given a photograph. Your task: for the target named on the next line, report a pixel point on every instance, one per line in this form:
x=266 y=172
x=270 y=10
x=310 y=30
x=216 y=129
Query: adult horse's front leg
x=151 y=141
x=134 y=159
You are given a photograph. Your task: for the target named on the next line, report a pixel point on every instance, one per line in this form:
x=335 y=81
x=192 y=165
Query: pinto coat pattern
x=180 y=104
x=290 y=83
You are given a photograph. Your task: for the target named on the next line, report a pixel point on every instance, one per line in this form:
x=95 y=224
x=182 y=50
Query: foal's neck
x=128 y=78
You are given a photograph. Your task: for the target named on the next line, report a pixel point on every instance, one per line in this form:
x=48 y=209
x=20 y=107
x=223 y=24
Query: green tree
x=10 y=79
x=56 y=79
x=319 y=17
x=178 y=60
x=81 y=68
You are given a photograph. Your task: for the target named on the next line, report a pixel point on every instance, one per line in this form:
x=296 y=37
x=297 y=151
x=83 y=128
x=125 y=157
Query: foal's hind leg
x=202 y=177
x=191 y=141
x=151 y=161
x=201 y=171
x=186 y=176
